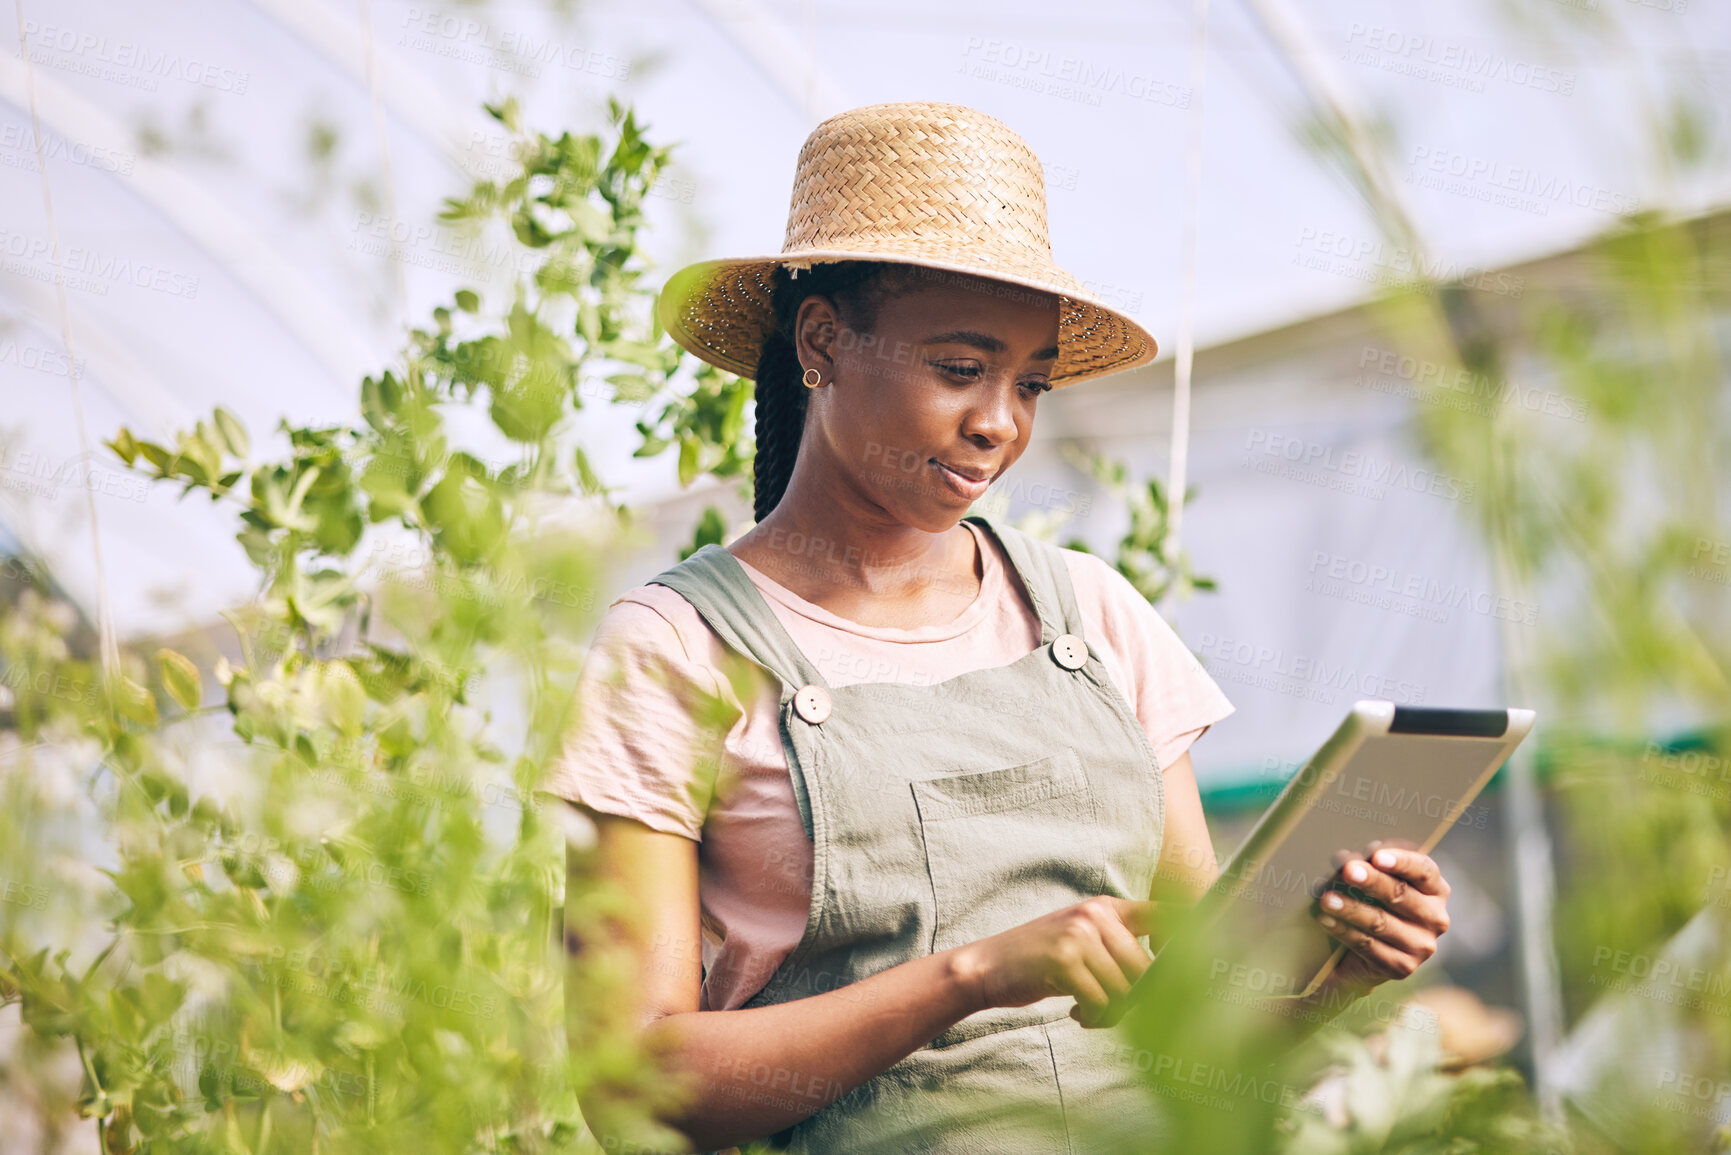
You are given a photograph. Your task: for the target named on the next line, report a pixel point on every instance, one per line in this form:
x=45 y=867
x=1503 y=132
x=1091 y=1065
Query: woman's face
x=920 y=415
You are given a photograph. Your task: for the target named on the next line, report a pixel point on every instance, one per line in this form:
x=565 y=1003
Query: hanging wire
x=107 y=646
x=1178 y=479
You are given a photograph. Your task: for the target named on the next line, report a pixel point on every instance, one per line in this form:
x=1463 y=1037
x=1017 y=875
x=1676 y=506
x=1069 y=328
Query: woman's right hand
x=1087 y=951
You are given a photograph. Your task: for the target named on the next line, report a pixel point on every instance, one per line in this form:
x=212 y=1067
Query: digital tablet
x=1401 y=775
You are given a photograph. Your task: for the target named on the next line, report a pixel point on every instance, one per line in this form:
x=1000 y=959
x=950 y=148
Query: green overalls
x=939 y=815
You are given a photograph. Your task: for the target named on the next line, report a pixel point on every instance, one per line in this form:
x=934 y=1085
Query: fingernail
x=1356 y=872
x=1333 y=901
x=1328 y=921
x=1383 y=858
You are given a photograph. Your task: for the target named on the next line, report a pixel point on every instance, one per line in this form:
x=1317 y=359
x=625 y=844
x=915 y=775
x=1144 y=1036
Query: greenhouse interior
x=351 y=411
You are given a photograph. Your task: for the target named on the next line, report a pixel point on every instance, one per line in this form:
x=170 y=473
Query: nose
x=991 y=421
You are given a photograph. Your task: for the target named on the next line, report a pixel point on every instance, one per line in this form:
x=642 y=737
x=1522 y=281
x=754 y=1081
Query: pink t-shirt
x=639 y=737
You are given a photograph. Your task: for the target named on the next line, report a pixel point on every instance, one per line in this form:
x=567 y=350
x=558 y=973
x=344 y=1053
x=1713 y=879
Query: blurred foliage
x=1144 y=554
x=1602 y=448
x=309 y=900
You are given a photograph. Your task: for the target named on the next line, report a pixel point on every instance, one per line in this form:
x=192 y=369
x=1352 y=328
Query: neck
x=826 y=538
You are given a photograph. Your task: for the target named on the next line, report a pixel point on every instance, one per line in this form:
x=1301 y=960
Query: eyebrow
x=985 y=341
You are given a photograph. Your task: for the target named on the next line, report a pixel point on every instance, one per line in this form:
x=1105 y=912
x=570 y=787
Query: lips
x=967 y=482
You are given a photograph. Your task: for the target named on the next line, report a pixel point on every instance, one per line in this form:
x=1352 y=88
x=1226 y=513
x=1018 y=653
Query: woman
x=914 y=860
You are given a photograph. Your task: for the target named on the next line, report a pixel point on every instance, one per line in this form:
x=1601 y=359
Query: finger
x=1382 y=957
x=1375 y=922
x=1127 y=953
x=1396 y=894
x=1418 y=869
x=1080 y=982
x=1106 y=970
x=1138 y=914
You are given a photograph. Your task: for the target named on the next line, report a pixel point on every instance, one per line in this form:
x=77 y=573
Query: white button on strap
x=1069 y=651
x=811 y=703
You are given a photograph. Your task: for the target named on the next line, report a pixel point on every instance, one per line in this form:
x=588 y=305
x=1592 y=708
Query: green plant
x=328 y=915
x=1144 y=553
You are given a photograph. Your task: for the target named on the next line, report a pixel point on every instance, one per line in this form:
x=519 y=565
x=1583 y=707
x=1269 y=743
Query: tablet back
x=1393 y=774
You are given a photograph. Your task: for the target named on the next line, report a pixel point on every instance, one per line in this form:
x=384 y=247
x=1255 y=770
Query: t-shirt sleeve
x=647 y=728
x=1172 y=695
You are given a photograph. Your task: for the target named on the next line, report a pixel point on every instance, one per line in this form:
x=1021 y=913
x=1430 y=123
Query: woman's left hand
x=1389 y=911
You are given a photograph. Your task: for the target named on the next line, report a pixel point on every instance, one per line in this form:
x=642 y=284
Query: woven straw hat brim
x=720 y=311
x=934 y=185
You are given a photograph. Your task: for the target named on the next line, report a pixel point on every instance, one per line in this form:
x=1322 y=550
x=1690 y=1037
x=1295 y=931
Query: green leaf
x=711 y=529
x=587 y=479
x=632 y=387
x=134 y=701
x=468 y=301
x=124 y=446
x=687 y=460
x=233 y=432
x=180 y=678
x=159 y=457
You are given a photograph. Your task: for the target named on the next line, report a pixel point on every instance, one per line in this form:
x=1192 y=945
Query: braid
x=858 y=287
x=780 y=417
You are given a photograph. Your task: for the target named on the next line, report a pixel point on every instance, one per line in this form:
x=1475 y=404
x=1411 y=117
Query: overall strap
x=715 y=584
x=1045 y=575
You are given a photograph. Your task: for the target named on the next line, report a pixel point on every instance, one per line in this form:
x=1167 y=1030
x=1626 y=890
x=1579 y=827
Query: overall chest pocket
x=1006 y=846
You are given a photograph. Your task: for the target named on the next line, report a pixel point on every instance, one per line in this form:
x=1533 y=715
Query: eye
x=966 y=370
x=1037 y=387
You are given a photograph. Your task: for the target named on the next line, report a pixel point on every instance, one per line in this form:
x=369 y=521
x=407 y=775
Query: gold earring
x=809 y=383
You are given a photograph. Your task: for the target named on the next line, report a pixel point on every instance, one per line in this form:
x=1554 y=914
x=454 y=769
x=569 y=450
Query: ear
x=815 y=328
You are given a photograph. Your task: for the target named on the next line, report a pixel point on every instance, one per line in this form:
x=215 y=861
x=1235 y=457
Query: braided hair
x=859 y=287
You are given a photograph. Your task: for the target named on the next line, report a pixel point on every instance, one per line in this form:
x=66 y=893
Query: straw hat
x=942 y=186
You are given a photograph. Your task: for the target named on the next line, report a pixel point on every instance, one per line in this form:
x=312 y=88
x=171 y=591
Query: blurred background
x=1442 y=299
